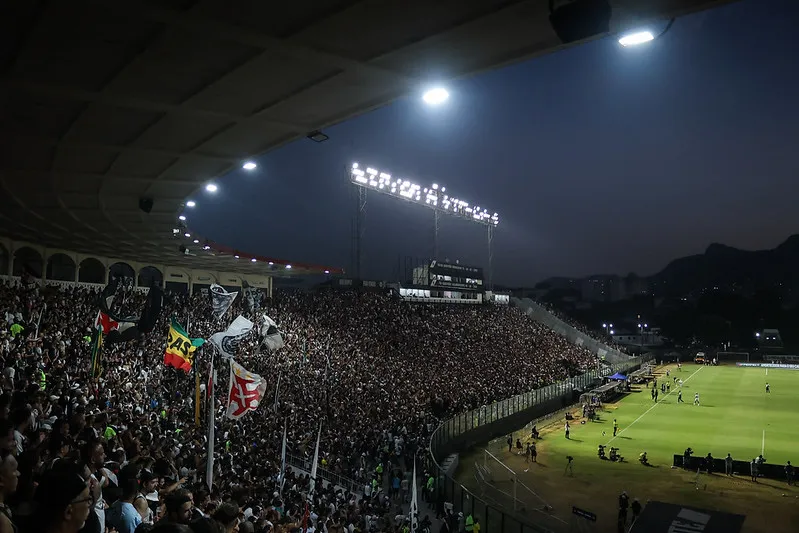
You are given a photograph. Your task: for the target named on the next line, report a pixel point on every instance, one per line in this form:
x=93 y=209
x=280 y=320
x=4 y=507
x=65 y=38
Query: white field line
x=763 y=444
x=767 y=371
x=653 y=406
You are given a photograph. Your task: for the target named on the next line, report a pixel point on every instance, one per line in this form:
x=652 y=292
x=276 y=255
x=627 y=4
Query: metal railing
x=492 y=518
x=301 y=463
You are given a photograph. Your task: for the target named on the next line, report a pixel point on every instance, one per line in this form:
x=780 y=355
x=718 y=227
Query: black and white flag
x=252 y=296
x=272 y=338
x=227 y=342
x=221 y=300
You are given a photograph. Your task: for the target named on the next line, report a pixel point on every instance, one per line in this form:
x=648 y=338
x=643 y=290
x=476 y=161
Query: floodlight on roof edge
x=642 y=36
x=435 y=96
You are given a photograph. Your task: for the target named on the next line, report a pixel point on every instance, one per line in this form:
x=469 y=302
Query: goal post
x=500 y=475
x=732 y=357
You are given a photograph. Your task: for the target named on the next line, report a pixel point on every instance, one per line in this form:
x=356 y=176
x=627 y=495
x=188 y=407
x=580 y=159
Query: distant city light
x=432 y=197
x=190 y=203
x=436 y=96
x=211 y=187
x=636 y=38
x=249 y=165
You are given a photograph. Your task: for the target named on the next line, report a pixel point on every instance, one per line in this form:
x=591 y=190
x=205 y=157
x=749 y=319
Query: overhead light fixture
x=196 y=241
x=253 y=260
x=436 y=96
x=206 y=247
x=190 y=203
x=271 y=263
x=211 y=187
x=317 y=136
x=182 y=217
x=288 y=267
x=327 y=272
x=187 y=234
x=249 y=165
x=236 y=256
x=636 y=38
x=175 y=231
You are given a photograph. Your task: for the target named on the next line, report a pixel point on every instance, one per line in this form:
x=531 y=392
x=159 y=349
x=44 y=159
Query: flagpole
x=197 y=389
x=283 y=458
x=211 y=407
x=414 y=508
x=277 y=391
x=315 y=464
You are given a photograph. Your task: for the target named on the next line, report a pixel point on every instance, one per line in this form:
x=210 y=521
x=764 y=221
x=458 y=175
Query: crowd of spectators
x=122 y=452
x=597 y=333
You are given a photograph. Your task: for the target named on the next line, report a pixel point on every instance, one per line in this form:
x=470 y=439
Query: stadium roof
x=108 y=102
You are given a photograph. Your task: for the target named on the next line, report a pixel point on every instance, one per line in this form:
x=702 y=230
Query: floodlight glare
x=249 y=165
x=634 y=39
x=190 y=203
x=288 y=267
x=253 y=260
x=236 y=256
x=211 y=187
x=187 y=235
x=327 y=272
x=182 y=217
x=431 y=197
x=271 y=263
x=436 y=96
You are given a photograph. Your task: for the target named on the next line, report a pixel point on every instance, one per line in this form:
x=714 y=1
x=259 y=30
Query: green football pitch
x=735 y=416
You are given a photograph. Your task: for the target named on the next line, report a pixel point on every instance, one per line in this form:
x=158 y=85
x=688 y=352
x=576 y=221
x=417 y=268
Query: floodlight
x=604 y=325
x=253 y=260
x=182 y=217
x=636 y=38
x=317 y=136
x=271 y=263
x=249 y=165
x=639 y=325
x=211 y=187
x=610 y=325
x=288 y=267
x=175 y=231
x=611 y=332
x=190 y=203
x=236 y=256
x=196 y=241
x=431 y=197
x=206 y=247
x=187 y=234
x=327 y=272
x=436 y=96
x=646 y=325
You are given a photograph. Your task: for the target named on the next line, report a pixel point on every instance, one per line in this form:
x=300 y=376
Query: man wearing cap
x=63 y=502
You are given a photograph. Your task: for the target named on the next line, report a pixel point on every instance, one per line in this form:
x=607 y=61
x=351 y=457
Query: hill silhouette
x=730 y=268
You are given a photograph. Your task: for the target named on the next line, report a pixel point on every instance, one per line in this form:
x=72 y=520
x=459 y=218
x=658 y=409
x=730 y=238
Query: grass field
x=735 y=416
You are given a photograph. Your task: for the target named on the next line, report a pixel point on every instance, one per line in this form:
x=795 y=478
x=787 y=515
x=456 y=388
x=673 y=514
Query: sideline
x=655 y=405
x=763 y=444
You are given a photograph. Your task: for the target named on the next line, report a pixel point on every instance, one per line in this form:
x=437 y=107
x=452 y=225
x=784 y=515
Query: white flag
x=210 y=405
x=273 y=340
x=414 y=509
x=221 y=300
x=246 y=391
x=228 y=341
x=315 y=464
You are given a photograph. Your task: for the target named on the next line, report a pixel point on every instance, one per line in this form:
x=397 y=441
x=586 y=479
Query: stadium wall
x=542 y=314
x=485 y=423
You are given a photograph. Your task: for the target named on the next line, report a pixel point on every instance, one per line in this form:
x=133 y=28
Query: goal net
x=729 y=357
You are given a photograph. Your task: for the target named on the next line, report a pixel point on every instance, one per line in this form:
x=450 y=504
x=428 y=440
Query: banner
x=246 y=391
x=180 y=348
x=221 y=300
x=228 y=341
x=272 y=338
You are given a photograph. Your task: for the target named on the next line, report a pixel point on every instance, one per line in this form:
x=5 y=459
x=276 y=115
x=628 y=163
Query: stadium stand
x=379 y=372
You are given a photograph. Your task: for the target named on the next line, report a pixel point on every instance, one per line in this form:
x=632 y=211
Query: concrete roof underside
x=106 y=102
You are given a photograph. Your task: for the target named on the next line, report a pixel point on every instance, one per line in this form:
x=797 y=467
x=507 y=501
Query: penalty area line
x=655 y=405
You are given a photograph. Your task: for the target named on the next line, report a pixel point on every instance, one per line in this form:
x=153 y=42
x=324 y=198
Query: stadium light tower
x=434 y=197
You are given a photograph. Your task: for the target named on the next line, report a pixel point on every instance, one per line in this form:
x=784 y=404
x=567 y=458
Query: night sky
x=599 y=159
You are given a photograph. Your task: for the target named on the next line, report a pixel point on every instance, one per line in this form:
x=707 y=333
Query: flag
x=211 y=408
x=252 y=297
x=97 y=352
x=283 y=458
x=315 y=464
x=221 y=300
x=246 y=391
x=228 y=341
x=105 y=322
x=125 y=328
x=272 y=338
x=414 y=509
x=180 y=348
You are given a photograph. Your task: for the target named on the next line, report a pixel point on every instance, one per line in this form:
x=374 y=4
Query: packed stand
x=123 y=452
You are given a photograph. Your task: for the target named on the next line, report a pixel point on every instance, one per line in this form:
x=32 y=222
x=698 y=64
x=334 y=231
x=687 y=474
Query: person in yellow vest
x=469 y=526
x=476 y=526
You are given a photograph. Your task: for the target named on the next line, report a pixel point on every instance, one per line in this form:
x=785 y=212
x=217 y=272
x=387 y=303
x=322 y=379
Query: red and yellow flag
x=180 y=348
